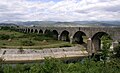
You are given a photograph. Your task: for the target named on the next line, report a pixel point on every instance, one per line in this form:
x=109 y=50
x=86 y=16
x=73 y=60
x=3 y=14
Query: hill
x=70 y=24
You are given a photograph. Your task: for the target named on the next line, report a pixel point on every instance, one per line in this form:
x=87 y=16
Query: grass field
x=13 y=39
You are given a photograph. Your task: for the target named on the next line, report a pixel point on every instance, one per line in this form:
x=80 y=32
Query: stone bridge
x=87 y=36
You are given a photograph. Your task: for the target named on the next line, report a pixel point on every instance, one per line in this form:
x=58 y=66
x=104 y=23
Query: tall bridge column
x=89 y=46
x=71 y=39
x=43 y=31
x=96 y=45
x=58 y=37
x=28 y=30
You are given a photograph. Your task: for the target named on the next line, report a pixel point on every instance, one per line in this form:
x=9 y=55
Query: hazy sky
x=59 y=10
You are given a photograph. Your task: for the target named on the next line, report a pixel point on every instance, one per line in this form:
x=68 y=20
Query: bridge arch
x=47 y=31
x=36 y=31
x=32 y=30
x=79 y=37
x=96 y=40
x=25 y=30
x=40 y=31
x=55 y=34
x=64 y=36
x=28 y=30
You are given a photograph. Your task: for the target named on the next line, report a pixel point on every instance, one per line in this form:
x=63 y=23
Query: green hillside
x=13 y=39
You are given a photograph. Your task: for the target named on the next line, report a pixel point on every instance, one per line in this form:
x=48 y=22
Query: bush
x=52 y=65
x=5 y=28
x=11 y=28
x=4 y=37
x=27 y=43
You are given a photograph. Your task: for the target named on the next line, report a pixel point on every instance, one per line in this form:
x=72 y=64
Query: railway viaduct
x=89 y=36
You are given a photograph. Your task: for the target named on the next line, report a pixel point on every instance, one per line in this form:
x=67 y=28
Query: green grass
x=66 y=44
x=40 y=41
x=9 y=32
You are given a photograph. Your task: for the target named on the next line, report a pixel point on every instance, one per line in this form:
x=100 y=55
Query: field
x=14 y=39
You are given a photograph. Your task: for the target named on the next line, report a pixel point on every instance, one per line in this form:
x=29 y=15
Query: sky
x=59 y=10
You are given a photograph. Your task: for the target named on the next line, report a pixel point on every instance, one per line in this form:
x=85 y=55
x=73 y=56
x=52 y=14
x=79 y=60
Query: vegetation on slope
x=13 y=39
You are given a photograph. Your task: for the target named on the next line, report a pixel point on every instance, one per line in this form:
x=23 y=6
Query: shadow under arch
x=48 y=33
x=25 y=30
x=64 y=36
x=55 y=34
x=36 y=31
x=96 y=40
x=28 y=30
x=31 y=30
x=80 y=38
x=40 y=31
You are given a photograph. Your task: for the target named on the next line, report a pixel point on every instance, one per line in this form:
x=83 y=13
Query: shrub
x=4 y=37
x=5 y=28
x=52 y=65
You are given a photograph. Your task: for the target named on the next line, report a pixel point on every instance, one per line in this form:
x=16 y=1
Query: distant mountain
x=112 y=22
x=8 y=24
x=29 y=23
x=69 y=24
x=99 y=23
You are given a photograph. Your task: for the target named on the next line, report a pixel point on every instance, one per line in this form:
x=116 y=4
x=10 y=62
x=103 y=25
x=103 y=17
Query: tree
x=105 y=48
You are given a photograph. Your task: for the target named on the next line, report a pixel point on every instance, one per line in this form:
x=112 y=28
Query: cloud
x=59 y=10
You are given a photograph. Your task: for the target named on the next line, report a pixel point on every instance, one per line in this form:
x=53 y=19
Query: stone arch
x=96 y=40
x=28 y=30
x=32 y=30
x=55 y=34
x=36 y=31
x=25 y=30
x=65 y=36
x=47 y=31
x=80 y=38
x=41 y=31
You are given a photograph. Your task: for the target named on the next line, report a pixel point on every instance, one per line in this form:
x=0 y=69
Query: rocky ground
x=35 y=54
